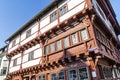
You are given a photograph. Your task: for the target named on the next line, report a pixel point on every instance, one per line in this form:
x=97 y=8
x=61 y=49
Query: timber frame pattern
x=98 y=52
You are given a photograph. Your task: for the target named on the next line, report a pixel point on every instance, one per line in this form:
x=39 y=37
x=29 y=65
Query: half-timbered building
x=67 y=40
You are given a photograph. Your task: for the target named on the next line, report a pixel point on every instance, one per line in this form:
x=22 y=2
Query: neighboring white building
x=3 y=63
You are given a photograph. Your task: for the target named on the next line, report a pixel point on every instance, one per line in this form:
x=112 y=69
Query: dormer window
x=13 y=43
x=28 y=33
x=63 y=10
x=53 y=16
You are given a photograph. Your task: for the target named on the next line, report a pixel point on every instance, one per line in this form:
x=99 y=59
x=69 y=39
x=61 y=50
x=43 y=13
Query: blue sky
x=15 y=13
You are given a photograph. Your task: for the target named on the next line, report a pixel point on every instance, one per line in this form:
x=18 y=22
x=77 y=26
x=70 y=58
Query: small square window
x=14 y=62
x=66 y=42
x=13 y=43
x=46 y=50
x=59 y=45
x=63 y=10
x=52 y=47
x=31 y=56
x=53 y=16
x=74 y=38
x=28 y=33
x=84 y=35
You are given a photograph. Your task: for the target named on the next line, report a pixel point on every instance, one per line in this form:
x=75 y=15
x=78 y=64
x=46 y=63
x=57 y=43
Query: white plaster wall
x=12 y=69
x=25 y=58
x=30 y=63
x=28 y=39
x=51 y=25
x=38 y=53
x=73 y=3
x=19 y=61
x=34 y=28
x=13 y=48
x=32 y=48
x=16 y=56
x=23 y=35
x=72 y=12
x=44 y=22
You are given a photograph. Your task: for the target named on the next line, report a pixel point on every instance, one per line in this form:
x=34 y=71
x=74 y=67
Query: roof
x=36 y=17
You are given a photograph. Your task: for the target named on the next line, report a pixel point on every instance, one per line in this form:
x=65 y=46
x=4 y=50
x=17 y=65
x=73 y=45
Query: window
x=13 y=43
x=66 y=42
x=15 y=62
x=107 y=72
x=41 y=77
x=72 y=75
x=83 y=34
x=59 y=45
x=46 y=50
x=83 y=75
x=74 y=38
x=31 y=55
x=28 y=33
x=61 y=76
x=53 y=76
x=3 y=71
x=53 y=16
x=63 y=10
x=52 y=47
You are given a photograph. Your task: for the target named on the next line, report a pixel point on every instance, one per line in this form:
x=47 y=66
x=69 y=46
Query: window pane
x=61 y=76
x=72 y=75
x=83 y=75
x=43 y=77
x=66 y=42
x=52 y=47
x=63 y=10
x=53 y=16
x=31 y=55
x=15 y=62
x=46 y=49
x=53 y=76
x=83 y=34
x=39 y=78
x=13 y=43
x=74 y=38
x=28 y=33
x=59 y=46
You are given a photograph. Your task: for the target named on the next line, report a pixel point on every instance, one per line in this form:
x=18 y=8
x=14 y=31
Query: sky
x=15 y=13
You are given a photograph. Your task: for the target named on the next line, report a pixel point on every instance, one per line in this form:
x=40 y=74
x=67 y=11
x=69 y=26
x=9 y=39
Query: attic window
x=53 y=16
x=13 y=43
x=28 y=33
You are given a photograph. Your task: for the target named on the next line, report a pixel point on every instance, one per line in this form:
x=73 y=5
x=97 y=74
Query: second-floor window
x=66 y=42
x=53 y=16
x=14 y=62
x=13 y=43
x=31 y=56
x=84 y=35
x=74 y=38
x=63 y=10
x=28 y=33
x=59 y=45
x=46 y=50
x=52 y=47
